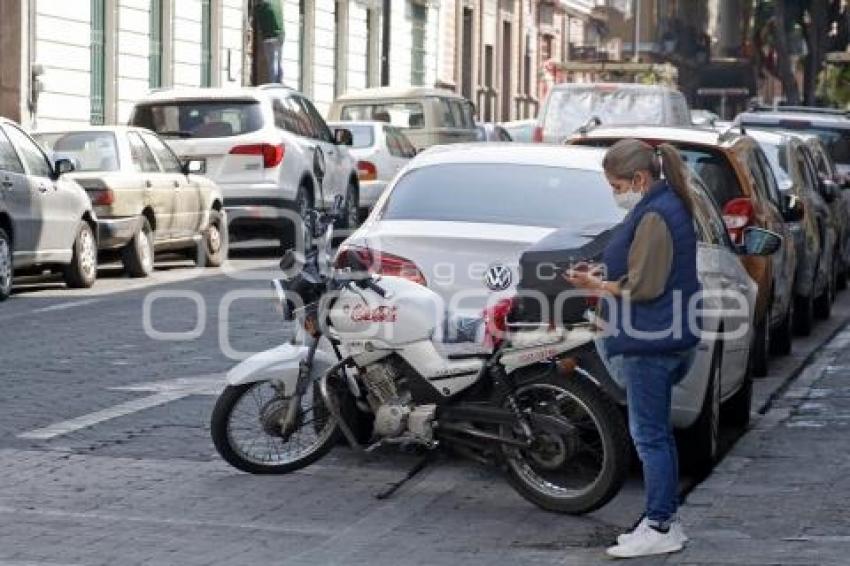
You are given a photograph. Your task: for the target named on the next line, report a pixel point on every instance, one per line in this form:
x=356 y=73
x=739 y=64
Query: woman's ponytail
x=676 y=173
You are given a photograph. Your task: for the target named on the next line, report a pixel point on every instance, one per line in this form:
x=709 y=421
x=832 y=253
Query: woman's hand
x=585 y=276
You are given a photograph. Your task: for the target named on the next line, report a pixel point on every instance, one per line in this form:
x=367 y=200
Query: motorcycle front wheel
x=246 y=431
x=576 y=472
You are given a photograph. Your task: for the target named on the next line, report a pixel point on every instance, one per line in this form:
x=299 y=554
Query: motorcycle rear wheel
x=242 y=421
x=550 y=473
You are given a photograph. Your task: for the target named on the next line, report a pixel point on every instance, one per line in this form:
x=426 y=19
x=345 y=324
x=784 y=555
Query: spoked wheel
x=247 y=429
x=576 y=472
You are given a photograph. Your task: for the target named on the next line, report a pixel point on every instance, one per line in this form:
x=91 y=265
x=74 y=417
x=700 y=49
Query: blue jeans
x=272 y=50
x=649 y=381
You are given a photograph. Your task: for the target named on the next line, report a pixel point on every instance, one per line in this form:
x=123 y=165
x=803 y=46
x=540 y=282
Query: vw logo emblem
x=498 y=277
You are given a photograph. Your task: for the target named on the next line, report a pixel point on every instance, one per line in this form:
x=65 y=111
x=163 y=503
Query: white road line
x=92 y=419
x=164 y=392
x=63 y=306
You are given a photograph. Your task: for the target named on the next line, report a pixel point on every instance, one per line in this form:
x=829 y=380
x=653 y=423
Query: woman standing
x=650 y=277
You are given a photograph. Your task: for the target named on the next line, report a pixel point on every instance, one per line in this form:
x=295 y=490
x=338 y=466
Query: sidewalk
x=782 y=495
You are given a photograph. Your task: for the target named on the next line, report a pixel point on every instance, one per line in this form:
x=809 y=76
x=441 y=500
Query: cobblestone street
x=107 y=457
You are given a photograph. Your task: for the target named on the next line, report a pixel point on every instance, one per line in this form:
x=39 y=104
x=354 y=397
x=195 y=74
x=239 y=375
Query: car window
x=489 y=193
x=400 y=114
x=9 y=160
x=407 y=148
x=34 y=159
x=769 y=177
x=708 y=217
x=143 y=159
x=446 y=118
x=200 y=118
x=392 y=143
x=88 y=150
x=807 y=168
x=715 y=170
x=569 y=108
x=166 y=157
x=361 y=136
x=457 y=113
x=503 y=135
x=291 y=116
x=319 y=129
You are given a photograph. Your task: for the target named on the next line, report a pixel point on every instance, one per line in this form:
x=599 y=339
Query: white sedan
x=458 y=218
x=381 y=150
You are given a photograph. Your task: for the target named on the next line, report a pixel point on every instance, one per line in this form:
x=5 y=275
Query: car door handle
x=176 y=184
x=6 y=184
x=148 y=184
x=42 y=188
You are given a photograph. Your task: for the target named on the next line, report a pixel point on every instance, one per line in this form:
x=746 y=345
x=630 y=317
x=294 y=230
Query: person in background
x=650 y=277
x=268 y=22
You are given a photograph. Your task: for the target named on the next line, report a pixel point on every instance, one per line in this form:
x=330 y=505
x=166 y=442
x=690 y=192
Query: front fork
x=293 y=410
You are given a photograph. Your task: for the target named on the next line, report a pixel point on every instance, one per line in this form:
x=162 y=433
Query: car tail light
x=737 y=215
x=537 y=134
x=366 y=171
x=99 y=192
x=379 y=263
x=272 y=154
x=496 y=320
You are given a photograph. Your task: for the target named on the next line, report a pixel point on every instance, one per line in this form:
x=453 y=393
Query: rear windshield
x=570 y=109
x=712 y=167
x=88 y=151
x=836 y=140
x=400 y=114
x=363 y=136
x=200 y=118
x=529 y=195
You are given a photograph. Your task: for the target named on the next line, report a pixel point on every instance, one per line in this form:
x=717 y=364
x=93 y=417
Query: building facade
x=88 y=61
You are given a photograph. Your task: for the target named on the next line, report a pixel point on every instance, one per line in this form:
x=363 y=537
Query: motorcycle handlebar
x=370 y=284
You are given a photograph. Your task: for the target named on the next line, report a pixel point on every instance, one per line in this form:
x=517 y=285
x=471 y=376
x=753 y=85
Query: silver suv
x=46 y=221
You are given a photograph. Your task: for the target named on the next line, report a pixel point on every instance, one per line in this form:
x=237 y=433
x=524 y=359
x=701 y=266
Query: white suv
x=266 y=147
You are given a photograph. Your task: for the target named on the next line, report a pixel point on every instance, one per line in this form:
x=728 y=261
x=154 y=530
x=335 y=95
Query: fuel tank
x=409 y=313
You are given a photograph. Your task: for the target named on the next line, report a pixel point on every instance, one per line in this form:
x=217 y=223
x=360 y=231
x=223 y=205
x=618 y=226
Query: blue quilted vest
x=661 y=325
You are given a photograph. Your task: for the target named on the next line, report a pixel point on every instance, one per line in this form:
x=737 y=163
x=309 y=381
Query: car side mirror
x=62 y=166
x=845 y=184
x=194 y=167
x=792 y=208
x=343 y=136
x=760 y=242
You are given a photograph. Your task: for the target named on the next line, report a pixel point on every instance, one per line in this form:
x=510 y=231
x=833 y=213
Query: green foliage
x=834 y=85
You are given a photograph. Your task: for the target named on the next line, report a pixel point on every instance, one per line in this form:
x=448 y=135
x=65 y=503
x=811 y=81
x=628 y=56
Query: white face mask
x=629 y=199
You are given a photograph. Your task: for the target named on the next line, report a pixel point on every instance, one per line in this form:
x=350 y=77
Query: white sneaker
x=675 y=528
x=647 y=541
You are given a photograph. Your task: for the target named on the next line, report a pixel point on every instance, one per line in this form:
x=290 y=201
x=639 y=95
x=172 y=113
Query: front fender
x=280 y=363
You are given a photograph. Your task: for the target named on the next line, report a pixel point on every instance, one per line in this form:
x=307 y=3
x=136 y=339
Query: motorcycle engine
x=395 y=414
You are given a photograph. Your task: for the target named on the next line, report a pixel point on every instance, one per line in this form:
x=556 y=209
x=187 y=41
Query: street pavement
x=106 y=456
x=781 y=495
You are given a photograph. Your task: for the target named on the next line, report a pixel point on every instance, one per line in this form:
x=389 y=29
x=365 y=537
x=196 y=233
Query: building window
x=206 y=42
x=98 y=61
x=419 y=31
x=155 y=56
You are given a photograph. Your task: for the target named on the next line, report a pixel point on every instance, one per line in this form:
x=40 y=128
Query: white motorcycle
x=369 y=349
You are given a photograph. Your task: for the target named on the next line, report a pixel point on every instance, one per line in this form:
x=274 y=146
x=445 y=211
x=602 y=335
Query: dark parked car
x=810 y=221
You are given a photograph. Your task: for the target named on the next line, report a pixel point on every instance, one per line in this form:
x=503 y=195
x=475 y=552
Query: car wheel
x=737 y=409
x=138 y=255
x=780 y=340
x=761 y=347
x=703 y=437
x=82 y=271
x=804 y=314
x=823 y=302
x=213 y=246
x=6 y=269
x=303 y=203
